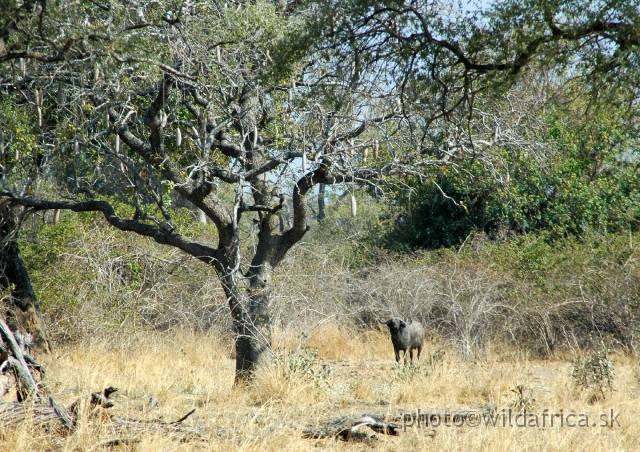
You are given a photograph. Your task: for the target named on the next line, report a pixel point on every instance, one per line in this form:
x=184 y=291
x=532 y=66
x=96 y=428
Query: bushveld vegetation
x=208 y=205
x=517 y=322
x=538 y=298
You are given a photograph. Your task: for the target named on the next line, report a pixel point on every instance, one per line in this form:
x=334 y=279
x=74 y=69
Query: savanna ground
x=505 y=322
x=336 y=373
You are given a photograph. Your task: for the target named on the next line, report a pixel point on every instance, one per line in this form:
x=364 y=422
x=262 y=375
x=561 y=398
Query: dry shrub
x=594 y=373
x=117 y=281
x=474 y=301
x=462 y=302
x=291 y=376
x=470 y=306
x=332 y=342
x=108 y=283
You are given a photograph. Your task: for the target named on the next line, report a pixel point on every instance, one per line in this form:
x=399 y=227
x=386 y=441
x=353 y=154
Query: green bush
x=584 y=178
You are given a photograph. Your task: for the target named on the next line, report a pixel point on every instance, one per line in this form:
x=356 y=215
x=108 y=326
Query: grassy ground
x=349 y=374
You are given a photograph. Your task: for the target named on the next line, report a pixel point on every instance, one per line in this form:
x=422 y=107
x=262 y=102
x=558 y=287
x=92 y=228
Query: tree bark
x=23 y=310
x=252 y=326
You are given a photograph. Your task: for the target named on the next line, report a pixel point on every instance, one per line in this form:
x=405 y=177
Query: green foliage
x=21 y=146
x=594 y=372
x=43 y=247
x=407 y=371
x=586 y=178
x=93 y=280
x=434 y=216
x=303 y=363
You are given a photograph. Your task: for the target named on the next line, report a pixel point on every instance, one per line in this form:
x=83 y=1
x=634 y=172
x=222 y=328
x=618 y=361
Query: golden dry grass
x=354 y=373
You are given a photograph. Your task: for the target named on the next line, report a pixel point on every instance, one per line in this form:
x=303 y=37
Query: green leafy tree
x=581 y=176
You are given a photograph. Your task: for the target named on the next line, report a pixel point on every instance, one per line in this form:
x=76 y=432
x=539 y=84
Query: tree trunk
x=253 y=341
x=321 y=196
x=252 y=326
x=23 y=309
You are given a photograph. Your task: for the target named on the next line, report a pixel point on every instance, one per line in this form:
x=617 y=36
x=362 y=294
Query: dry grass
x=352 y=373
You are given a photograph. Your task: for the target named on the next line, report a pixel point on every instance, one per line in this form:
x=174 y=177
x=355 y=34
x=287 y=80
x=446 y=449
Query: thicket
x=535 y=297
x=581 y=177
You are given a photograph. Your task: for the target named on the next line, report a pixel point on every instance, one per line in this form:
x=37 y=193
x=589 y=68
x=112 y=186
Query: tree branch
x=163 y=234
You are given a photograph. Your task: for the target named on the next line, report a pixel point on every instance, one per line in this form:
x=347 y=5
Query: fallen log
x=17 y=361
x=17 y=412
x=439 y=417
x=40 y=414
x=351 y=427
x=36 y=405
x=348 y=427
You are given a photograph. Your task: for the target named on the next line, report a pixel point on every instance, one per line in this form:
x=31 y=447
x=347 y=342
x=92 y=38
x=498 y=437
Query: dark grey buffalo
x=405 y=336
